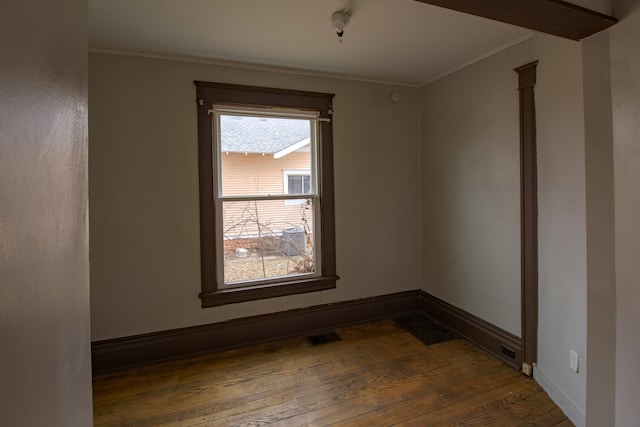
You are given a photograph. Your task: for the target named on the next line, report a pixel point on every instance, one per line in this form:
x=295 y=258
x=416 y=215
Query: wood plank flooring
x=377 y=375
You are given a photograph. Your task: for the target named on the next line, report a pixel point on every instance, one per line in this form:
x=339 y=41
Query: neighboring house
x=264 y=156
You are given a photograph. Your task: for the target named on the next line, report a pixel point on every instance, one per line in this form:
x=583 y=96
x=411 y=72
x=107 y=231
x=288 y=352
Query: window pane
x=299 y=184
x=306 y=179
x=266 y=239
x=295 y=184
x=255 y=150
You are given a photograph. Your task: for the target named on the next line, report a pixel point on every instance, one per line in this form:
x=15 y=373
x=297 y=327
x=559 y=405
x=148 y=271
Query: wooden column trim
x=556 y=17
x=528 y=211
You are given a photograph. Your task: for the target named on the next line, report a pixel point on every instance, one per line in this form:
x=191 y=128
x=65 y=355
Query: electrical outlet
x=527 y=369
x=509 y=352
x=574 y=361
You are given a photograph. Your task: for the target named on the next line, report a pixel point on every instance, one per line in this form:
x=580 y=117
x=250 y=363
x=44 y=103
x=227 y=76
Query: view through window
x=266 y=158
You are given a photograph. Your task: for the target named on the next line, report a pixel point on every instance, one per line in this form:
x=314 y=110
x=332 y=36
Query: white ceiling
x=400 y=41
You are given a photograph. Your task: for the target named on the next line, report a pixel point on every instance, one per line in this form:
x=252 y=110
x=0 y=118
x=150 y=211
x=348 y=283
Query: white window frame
x=219 y=198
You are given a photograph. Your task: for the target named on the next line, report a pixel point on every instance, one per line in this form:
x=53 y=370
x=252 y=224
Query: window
x=260 y=149
x=296 y=182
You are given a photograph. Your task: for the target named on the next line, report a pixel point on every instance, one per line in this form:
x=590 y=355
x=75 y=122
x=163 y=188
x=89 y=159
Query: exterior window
x=262 y=238
x=296 y=182
x=299 y=184
x=259 y=151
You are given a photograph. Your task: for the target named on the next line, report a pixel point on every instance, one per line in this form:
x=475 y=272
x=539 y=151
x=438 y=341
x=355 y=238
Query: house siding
x=257 y=174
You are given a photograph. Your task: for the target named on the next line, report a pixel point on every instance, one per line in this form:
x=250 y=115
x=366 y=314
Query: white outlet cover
x=574 y=361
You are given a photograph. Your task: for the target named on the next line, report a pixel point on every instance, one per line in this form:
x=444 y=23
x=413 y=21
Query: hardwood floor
x=377 y=375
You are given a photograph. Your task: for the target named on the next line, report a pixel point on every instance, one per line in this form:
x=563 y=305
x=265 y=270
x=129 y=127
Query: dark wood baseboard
x=475 y=329
x=124 y=352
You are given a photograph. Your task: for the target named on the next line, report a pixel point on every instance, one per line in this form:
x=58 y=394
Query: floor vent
x=425 y=329
x=325 y=338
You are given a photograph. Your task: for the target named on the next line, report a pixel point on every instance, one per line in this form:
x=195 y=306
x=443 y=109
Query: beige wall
x=602 y=6
x=588 y=296
x=562 y=229
x=471 y=189
x=625 y=88
x=145 y=259
x=600 y=232
x=45 y=362
x=470 y=201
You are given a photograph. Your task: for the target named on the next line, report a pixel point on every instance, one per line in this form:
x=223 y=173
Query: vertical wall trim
x=528 y=211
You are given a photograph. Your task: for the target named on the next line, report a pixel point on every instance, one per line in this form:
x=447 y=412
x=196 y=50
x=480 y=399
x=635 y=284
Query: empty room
x=344 y=212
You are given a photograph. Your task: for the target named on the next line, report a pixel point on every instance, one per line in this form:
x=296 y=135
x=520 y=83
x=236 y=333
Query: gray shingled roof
x=241 y=134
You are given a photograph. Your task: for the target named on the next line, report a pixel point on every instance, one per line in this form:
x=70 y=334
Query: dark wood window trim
x=210 y=94
x=528 y=210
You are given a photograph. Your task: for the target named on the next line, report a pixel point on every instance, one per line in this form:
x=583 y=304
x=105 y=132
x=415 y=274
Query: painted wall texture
x=44 y=262
x=470 y=189
x=145 y=257
x=625 y=91
x=602 y=6
x=601 y=305
x=588 y=289
x=471 y=195
x=562 y=234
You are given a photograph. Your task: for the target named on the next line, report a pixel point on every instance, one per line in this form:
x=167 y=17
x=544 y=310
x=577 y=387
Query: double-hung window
x=266 y=192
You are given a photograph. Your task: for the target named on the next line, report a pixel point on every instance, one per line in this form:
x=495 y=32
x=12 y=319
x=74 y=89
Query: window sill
x=257 y=292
